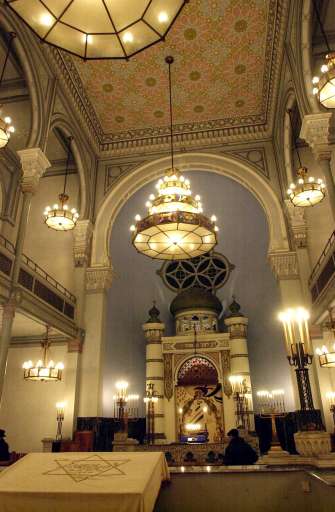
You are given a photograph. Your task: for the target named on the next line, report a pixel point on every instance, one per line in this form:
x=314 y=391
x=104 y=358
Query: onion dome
x=154 y=315
x=234 y=309
x=195 y=298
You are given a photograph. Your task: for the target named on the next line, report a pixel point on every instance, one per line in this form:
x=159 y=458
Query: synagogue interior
x=167 y=255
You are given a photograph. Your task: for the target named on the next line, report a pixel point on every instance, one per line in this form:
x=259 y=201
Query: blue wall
x=243 y=238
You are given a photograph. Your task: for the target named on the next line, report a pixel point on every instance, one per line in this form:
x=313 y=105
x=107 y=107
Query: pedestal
x=312 y=443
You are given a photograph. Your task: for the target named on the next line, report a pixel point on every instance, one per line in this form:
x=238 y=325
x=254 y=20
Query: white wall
x=51 y=249
x=27 y=411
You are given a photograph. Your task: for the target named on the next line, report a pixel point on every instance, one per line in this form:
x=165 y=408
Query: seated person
x=239 y=452
x=4 y=451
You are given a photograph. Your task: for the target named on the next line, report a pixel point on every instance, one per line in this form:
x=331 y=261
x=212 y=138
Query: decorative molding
x=168 y=376
x=225 y=367
x=254 y=156
x=114 y=171
x=284 y=264
x=98 y=279
x=81 y=242
x=298 y=224
x=34 y=163
x=318 y=130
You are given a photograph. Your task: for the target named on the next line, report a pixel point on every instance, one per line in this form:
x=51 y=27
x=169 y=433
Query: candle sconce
x=60 y=407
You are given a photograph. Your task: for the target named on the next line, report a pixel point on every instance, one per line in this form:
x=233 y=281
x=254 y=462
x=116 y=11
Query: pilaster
x=318 y=130
x=98 y=281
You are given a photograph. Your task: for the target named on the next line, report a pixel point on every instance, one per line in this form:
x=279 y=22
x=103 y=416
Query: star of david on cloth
x=88 y=467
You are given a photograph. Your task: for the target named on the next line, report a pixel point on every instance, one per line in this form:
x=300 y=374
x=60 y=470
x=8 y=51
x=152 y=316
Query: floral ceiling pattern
x=223 y=52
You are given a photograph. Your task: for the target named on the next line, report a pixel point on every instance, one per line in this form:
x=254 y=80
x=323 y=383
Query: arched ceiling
x=226 y=52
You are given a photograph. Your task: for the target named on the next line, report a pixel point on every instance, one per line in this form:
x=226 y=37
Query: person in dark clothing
x=4 y=451
x=239 y=452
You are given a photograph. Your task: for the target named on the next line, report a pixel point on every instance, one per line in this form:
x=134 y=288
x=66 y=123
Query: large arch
x=225 y=165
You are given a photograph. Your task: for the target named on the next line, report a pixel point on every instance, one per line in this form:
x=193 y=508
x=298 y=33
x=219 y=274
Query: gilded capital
x=284 y=264
x=34 y=163
x=318 y=130
x=98 y=278
x=82 y=235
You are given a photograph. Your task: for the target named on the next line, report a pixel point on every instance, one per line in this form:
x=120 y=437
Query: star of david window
x=210 y=271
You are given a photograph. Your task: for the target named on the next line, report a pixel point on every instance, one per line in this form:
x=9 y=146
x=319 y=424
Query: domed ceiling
x=227 y=53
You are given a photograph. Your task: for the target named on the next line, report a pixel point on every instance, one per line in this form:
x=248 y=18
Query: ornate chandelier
x=327 y=354
x=44 y=369
x=175 y=227
x=307 y=191
x=6 y=127
x=60 y=217
x=324 y=85
x=99 y=29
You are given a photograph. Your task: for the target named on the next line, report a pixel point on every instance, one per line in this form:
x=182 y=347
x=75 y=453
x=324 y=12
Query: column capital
x=318 y=130
x=81 y=242
x=34 y=163
x=284 y=264
x=298 y=224
x=98 y=278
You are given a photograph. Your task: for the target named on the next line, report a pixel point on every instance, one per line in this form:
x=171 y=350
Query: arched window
x=197 y=371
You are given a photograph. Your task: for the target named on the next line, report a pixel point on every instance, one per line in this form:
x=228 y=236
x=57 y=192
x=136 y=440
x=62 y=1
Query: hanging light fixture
x=6 y=127
x=327 y=354
x=307 y=191
x=99 y=29
x=44 y=369
x=175 y=227
x=324 y=85
x=60 y=217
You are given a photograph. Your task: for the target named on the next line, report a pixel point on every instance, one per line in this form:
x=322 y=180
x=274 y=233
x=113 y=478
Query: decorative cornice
x=99 y=278
x=318 y=130
x=34 y=163
x=81 y=242
x=284 y=264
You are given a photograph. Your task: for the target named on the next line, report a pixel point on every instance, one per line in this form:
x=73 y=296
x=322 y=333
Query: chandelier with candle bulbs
x=6 y=127
x=60 y=217
x=175 y=227
x=324 y=85
x=45 y=369
x=326 y=353
x=307 y=191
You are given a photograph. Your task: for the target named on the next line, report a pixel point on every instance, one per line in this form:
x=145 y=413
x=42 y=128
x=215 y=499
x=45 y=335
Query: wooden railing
x=324 y=269
x=33 y=278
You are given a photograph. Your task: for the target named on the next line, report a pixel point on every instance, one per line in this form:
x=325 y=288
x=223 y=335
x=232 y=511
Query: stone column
x=298 y=230
x=98 y=281
x=153 y=331
x=34 y=163
x=237 y=325
x=81 y=250
x=72 y=369
x=319 y=132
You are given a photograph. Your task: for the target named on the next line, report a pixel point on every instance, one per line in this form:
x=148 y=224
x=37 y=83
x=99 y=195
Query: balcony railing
x=33 y=278
x=324 y=270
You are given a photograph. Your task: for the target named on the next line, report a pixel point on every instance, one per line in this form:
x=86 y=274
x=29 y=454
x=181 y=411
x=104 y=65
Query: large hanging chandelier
x=99 y=29
x=324 y=85
x=45 y=369
x=307 y=191
x=326 y=354
x=60 y=217
x=6 y=127
x=175 y=227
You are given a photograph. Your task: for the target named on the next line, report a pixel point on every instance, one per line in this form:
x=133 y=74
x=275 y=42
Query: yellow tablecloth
x=83 y=482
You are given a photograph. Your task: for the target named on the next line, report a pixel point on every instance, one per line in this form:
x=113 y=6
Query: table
x=83 y=482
